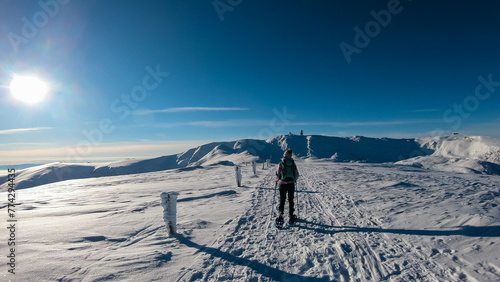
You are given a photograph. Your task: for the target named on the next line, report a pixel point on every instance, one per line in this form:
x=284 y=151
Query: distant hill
x=469 y=154
x=459 y=153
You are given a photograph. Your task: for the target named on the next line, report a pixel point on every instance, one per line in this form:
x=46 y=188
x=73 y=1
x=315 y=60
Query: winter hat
x=288 y=152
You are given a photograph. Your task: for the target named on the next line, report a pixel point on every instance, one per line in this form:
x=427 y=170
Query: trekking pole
x=297 y=197
x=274 y=199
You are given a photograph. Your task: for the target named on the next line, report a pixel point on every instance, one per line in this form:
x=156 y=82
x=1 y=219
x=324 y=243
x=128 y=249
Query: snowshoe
x=293 y=219
x=279 y=222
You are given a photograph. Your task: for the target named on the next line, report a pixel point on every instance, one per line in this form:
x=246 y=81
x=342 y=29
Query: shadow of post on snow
x=467 y=230
x=265 y=270
x=223 y=193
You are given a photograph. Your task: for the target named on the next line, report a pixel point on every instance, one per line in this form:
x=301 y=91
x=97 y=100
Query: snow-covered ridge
x=459 y=153
x=453 y=153
x=350 y=149
x=462 y=146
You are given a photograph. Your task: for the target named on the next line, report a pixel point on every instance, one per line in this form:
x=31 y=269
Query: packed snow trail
x=358 y=222
x=334 y=239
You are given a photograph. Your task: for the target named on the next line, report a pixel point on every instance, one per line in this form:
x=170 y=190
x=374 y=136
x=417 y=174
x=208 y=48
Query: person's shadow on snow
x=466 y=230
x=263 y=269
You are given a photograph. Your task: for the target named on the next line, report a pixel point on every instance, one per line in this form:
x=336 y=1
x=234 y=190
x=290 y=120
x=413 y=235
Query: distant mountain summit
x=350 y=149
x=459 y=153
x=341 y=149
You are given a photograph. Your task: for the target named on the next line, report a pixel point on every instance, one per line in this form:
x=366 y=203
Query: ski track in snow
x=357 y=222
x=335 y=239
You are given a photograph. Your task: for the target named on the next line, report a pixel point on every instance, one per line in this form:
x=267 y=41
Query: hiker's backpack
x=287 y=170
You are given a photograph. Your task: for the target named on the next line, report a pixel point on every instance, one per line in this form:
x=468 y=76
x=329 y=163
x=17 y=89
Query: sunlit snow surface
x=357 y=222
x=456 y=153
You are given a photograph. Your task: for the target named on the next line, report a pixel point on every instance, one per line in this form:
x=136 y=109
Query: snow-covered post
x=169 y=204
x=238 y=175
x=254 y=168
x=268 y=162
x=263 y=164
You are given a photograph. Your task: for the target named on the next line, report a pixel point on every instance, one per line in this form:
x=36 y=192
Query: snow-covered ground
x=358 y=221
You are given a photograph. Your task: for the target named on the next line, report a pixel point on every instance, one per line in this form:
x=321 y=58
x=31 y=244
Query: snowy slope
x=463 y=146
x=241 y=151
x=48 y=173
x=347 y=149
x=459 y=153
x=467 y=154
x=358 y=222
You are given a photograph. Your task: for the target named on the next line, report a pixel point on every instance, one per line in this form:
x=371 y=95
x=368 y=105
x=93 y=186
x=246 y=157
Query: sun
x=28 y=89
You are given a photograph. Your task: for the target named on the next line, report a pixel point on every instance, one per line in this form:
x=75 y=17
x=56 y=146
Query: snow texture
x=456 y=153
x=459 y=153
x=358 y=222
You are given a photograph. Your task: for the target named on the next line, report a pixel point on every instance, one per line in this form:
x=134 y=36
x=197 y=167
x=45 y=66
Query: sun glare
x=28 y=89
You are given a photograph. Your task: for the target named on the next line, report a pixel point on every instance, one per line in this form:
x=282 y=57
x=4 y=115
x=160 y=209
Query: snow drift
x=459 y=153
x=350 y=149
x=357 y=222
x=468 y=154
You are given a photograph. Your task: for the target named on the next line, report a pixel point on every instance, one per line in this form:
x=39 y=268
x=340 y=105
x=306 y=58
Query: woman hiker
x=286 y=175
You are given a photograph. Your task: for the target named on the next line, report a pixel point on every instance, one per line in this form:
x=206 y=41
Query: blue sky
x=150 y=78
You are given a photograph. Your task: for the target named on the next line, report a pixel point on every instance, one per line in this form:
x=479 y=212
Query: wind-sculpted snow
x=352 y=149
x=465 y=154
x=466 y=147
x=357 y=222
x=459 y=153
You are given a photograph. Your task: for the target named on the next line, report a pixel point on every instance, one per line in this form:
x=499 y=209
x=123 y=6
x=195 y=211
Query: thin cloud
x=274 y=122
x=225 y=123
x=230 y=123
x=105 y=151
x=366 y=123
x=19 y=130
x=26 y=145
x=424 y=111
x=189 y=109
